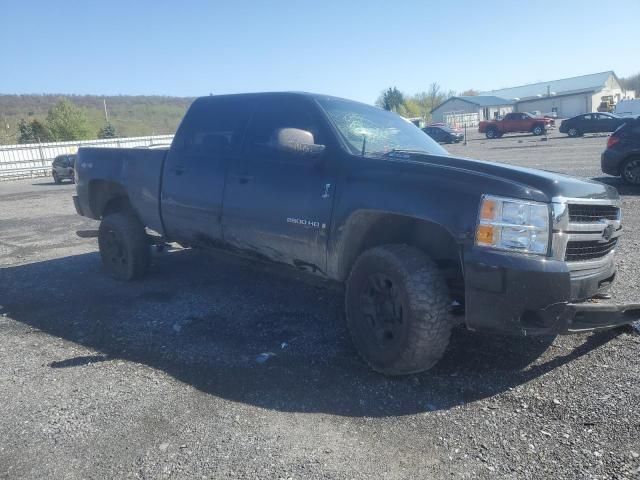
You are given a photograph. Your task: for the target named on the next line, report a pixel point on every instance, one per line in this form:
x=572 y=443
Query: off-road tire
x=491 y=134
x=422 y=336
x=124 y=247
x=537 y=130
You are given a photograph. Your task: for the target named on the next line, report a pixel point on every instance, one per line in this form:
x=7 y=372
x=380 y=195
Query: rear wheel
x=538 y=130
x=492 y=133
x=631 y=171
x=123 y=244
x=397 y=305
x=573 y=132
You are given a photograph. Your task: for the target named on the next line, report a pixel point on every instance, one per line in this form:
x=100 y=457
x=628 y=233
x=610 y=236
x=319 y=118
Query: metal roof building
x=585 y=83
x=469 y=110
x=566 y=97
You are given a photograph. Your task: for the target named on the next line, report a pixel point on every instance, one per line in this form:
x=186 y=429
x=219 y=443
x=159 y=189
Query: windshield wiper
x=405 y=150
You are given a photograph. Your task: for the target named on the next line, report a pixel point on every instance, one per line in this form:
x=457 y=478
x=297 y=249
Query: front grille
x=592 y=213
x=579 y=251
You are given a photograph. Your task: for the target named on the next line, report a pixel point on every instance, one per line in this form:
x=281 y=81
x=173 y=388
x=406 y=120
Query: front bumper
x=581 y=317
x=528 y=295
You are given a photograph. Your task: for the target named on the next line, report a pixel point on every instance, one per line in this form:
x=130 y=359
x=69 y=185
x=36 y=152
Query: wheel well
x=107 y=197
x=373 y=229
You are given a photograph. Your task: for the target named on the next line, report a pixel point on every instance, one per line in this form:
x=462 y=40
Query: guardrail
x=34 y=160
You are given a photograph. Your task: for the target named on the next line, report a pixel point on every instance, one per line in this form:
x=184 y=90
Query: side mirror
x=295 y=140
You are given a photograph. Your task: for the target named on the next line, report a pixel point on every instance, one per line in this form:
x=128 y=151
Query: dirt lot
x=165 y=378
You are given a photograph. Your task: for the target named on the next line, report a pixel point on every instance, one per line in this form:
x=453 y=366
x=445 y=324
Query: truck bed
x=137 y=170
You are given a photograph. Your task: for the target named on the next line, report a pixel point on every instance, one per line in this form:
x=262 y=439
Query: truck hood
x=541 y=185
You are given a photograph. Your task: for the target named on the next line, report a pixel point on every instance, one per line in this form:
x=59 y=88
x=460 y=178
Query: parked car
x=538 y=113
x=351 y=193
x=622 y=156
x=443 y=134
x=628 y=108
x=62 y=168
x=515 y=122
x=591 y=123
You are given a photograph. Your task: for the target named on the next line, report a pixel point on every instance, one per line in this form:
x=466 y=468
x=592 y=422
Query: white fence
x=33 y=160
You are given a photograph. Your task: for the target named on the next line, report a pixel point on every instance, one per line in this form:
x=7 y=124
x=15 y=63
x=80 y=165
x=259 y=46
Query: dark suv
x=622 y=156
x=63 y=167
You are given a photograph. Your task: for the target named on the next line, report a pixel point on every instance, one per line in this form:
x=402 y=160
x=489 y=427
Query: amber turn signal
x=485 y=235
x=489 y=209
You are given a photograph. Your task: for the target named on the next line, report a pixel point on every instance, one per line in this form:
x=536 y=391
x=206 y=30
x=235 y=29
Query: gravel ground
x=214 y=367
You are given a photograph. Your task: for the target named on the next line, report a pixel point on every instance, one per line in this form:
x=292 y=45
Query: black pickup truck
x=352 y=193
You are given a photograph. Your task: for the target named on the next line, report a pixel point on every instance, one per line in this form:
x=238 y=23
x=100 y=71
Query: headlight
x=514 y=225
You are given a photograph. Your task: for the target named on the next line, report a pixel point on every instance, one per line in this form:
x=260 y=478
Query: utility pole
x=106 y=113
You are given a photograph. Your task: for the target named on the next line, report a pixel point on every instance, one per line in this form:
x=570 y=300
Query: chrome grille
x=581 y=251
x=585 y=233
x=592 y=213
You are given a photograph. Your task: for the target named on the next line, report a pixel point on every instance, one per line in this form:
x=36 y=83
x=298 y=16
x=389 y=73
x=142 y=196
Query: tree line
x=418 y=105
x=64 y=122
x=632 y=83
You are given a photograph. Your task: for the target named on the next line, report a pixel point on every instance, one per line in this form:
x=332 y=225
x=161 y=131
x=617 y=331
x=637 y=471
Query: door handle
x=243 y=179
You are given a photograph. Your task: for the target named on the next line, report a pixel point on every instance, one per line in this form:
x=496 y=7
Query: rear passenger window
x=215 y=126
x=272 y=114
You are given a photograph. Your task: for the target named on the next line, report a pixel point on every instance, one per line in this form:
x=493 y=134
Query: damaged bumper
x=581 y=317
x=527 y=295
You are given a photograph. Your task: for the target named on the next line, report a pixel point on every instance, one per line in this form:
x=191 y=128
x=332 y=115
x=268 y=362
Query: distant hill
x=130 y=115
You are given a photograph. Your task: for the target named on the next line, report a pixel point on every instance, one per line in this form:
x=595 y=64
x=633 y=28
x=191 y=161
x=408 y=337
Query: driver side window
x=275 y=113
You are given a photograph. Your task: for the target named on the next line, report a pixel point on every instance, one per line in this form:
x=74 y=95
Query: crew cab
x=422 y=240
x=515 y=122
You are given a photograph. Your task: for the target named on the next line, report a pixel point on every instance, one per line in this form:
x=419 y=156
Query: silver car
x=63 y=168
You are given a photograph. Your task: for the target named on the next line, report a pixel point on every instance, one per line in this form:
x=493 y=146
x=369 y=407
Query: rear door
x=278 y=205
x=510 y=122
x=587 y=123
x=526 y=122
x=195 y=169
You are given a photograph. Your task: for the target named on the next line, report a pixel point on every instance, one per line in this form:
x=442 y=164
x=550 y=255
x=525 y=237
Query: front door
x=278 y=205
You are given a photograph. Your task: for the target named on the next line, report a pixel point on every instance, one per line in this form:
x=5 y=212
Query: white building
x=463 y=111
x=568 y=97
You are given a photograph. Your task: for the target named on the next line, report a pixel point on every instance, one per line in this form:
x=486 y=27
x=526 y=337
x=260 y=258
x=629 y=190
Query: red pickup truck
x=515 y=122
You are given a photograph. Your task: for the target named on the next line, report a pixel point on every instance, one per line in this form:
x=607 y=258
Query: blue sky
x=352 y=49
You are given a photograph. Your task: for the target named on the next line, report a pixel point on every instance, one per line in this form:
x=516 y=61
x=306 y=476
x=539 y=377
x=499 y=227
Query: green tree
x=390 y=99
x=410 y=108
x=67 y=122
x=107 y=131
x=34 y=131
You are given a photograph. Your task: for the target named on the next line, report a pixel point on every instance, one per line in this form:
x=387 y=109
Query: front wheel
x=631 y=171
x=491 y=134
x=538 y=130
x=397 y=306
x=124 y=248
